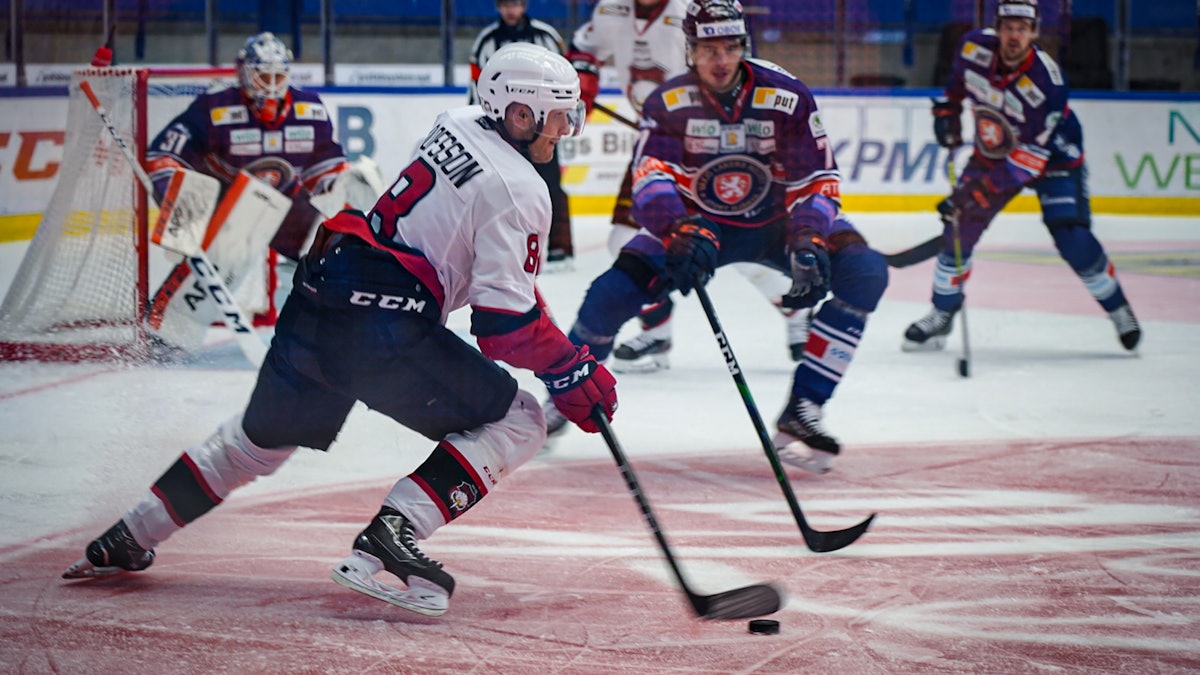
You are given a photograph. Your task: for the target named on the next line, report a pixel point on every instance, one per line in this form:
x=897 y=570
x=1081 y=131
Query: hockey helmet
x=1018 y=9
x=262 y=65
x=715 y=19
x=521 y=72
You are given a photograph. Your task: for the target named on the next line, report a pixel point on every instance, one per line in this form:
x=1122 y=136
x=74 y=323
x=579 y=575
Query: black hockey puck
x=764 y=627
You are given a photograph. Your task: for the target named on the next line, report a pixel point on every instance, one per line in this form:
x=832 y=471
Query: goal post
x=81 y=291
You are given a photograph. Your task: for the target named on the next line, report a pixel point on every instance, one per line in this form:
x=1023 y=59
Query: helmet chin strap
x=521 y=146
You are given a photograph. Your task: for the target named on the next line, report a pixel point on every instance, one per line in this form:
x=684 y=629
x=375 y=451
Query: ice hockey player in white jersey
x=462 y=225
x=644 y=42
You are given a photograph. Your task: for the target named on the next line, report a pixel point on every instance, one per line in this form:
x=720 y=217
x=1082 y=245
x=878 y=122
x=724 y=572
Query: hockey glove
x=578 y=385
x=811 y=270
x=968 y=196
x=947 y=123
x=693 y=244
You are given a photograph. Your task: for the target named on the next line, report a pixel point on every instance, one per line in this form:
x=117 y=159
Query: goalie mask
x=521 y=72
x=262 y=65
x=1018 y=9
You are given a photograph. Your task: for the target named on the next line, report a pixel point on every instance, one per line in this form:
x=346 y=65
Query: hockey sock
x=832 y=340
x=463 y=468
x=199 y=480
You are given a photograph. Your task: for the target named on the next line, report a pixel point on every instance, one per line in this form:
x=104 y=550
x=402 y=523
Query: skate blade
x=793 y=452
x=84 y=569
x=933 y=344
x=356 y=572
x=643 y=364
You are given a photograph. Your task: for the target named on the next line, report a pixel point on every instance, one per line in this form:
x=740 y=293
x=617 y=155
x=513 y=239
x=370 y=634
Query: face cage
x=258 y=88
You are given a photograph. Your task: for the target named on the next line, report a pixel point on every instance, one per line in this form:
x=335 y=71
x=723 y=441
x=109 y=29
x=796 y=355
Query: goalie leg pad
x=464 y=467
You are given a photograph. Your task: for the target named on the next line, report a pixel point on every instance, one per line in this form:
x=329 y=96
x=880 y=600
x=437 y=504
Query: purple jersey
x=744 y=160
x=219 y=134
x=1023 y=126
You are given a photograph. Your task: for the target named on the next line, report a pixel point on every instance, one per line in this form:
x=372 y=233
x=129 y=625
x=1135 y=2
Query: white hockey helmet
x=263 y=64
x=1018 y=9
x=521 y=72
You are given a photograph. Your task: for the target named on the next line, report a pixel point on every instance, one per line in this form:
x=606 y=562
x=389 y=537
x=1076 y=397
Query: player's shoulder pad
x=770 y=65
x=1053 y=72
x=979 y=46
x=613 y=8
x=676 y=93
x=308 y=106
x=777 y=89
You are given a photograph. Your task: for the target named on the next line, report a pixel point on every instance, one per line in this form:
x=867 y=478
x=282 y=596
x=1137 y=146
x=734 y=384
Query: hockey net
x=81 y=290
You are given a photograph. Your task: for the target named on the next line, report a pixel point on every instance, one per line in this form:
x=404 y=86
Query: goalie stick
x=740 y=603
x=816 y=540
x=188 y=246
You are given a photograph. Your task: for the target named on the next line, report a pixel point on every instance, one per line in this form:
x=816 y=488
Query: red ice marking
x=1054 y=287
x=1075 y=555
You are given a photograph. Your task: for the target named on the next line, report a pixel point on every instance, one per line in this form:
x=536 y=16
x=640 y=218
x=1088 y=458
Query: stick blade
x=824 y=542
x=740 y=603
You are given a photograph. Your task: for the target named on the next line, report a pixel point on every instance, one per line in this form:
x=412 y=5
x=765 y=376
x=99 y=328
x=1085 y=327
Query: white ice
x=79 y=443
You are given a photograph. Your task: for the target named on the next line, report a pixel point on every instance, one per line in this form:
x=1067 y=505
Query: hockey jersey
x=497 y=34
x=743 y=160
x=644 y=51
x=219 y=135
x=469 y=216
x=1023 y=125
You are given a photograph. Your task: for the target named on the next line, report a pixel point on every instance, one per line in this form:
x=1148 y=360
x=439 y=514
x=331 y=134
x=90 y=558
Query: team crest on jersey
x=462 y=496
x=274 y=171
x=680 y=97
x=1030 y=92
x=310 y=111
x=994 y=135
x=731 y=186
x=769 y=98
x=233 y=114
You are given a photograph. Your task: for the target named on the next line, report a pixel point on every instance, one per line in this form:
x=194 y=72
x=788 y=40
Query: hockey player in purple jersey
x=734 y=165
x=464 y=224
x=279 y=134
x=1025 y=136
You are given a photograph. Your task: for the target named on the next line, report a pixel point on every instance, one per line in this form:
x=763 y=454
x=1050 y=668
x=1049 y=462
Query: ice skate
x=1128 y=329
x=646 y=353
x=798 y=323
x=801 y=441
x=556 y=425
x=557 y=262
x=114 y=552
x=930 y=331
x=388 y=544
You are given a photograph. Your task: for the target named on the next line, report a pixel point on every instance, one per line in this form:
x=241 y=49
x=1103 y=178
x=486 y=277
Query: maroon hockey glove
x=947 y=123
x=693 y=244
x=578 y=385
x=967 y=197
x=811 y=271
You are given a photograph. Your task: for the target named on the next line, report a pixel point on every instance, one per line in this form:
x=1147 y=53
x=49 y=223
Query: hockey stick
x=740 y=603
x=911 y=256
x=231 y=313
x=616 y=115
x=817 y=541
x=964 y=361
